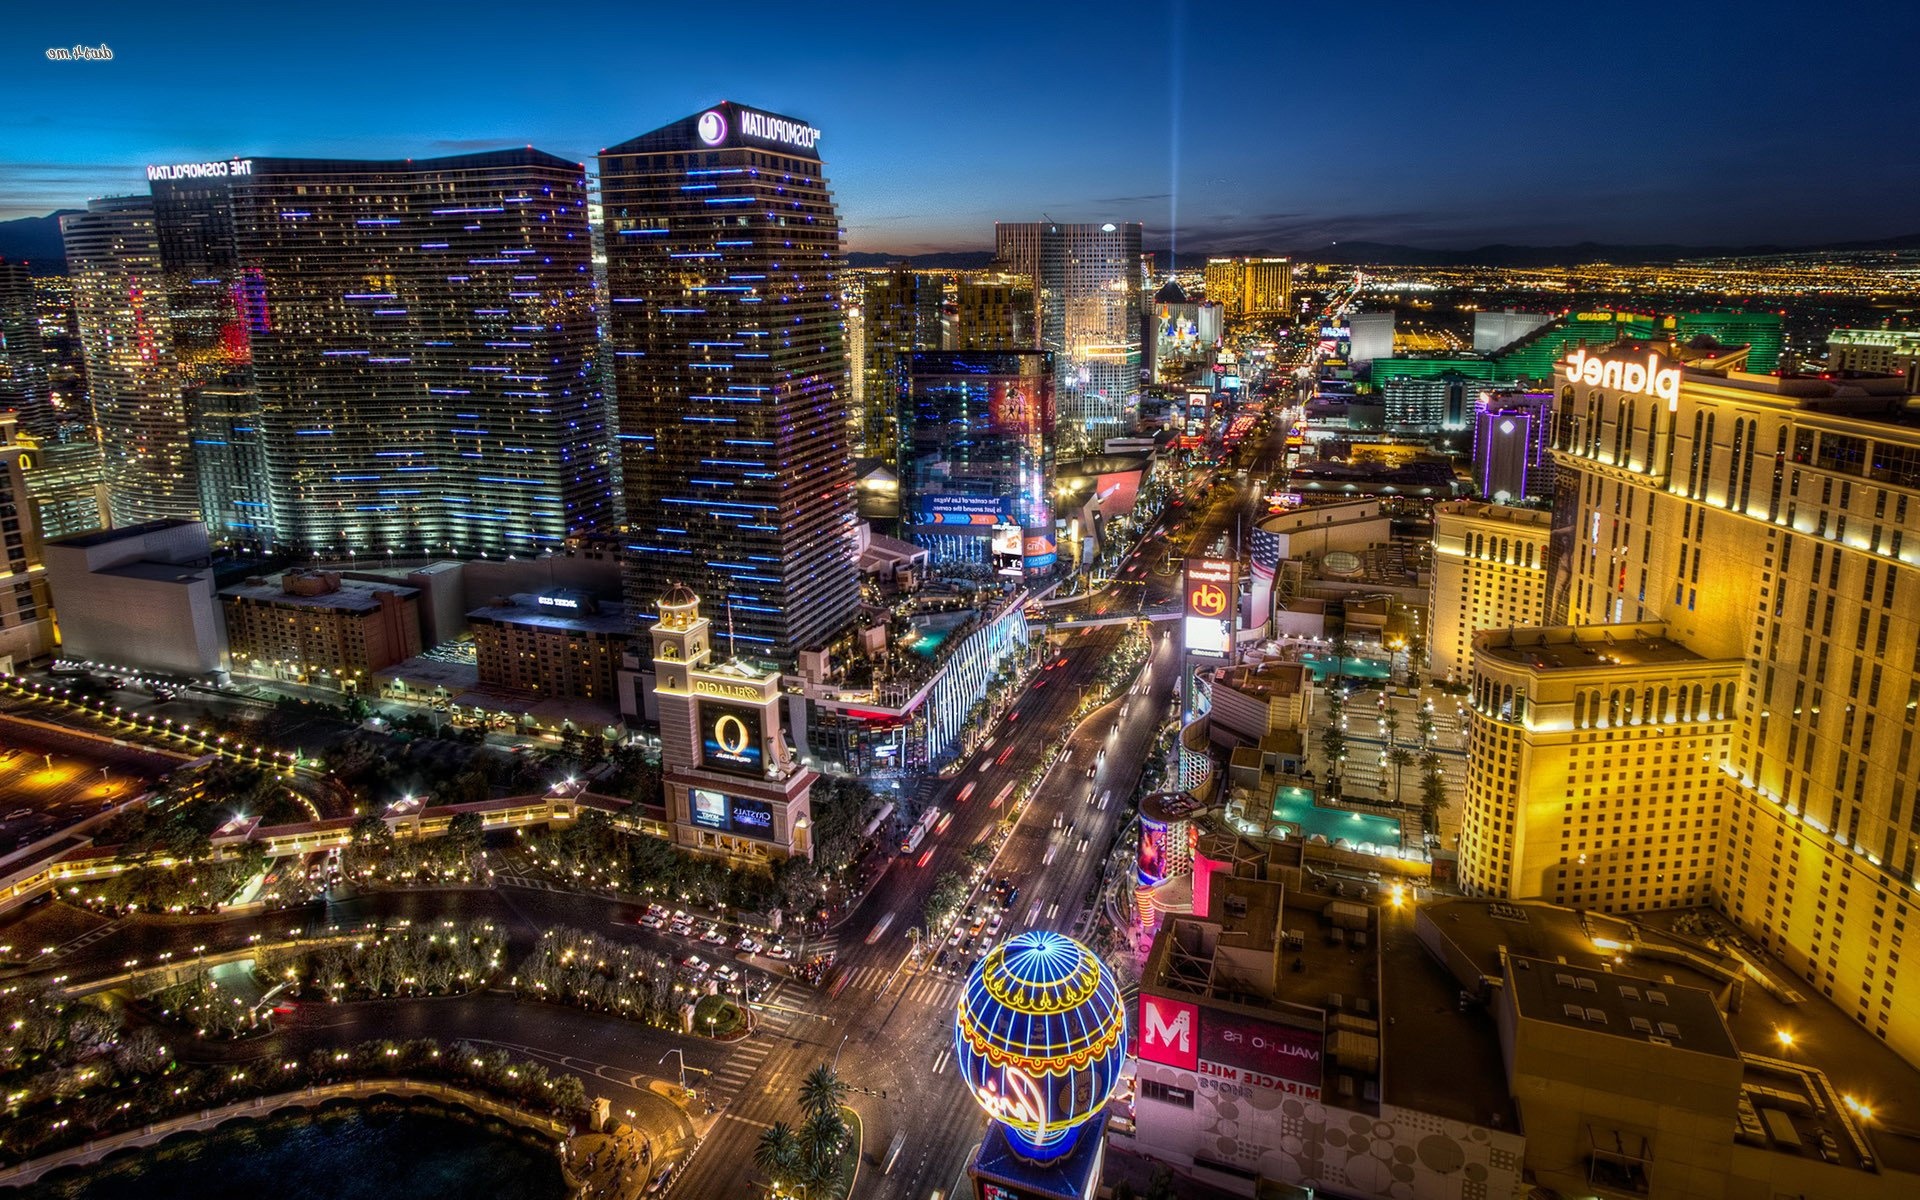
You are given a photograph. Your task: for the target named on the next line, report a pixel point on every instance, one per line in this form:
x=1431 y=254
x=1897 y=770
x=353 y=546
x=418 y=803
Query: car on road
x=726 y=972
x=653 y=921
x=695 y=964
x=747 y=944
x=779 y=952
x=19 y=814
x=714 y=935
x=965 y=792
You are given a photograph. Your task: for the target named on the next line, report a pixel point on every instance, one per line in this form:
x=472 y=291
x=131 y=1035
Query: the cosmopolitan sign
x=1629 y=375
x=777 y=129
x=237 y=168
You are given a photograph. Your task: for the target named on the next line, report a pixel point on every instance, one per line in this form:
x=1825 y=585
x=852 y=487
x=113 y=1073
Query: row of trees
x=595 y=851
x=588 y=970
x=373 y=853
x=410 y=960
x=200 y=1003
x=151 y=1087
x=814 y=1153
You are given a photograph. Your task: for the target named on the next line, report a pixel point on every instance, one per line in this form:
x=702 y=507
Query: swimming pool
x=1294 y=806
x=1356 y=668
x=931 y=630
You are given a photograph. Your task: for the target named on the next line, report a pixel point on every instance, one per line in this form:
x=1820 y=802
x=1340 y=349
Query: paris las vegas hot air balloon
x=1040 y=1037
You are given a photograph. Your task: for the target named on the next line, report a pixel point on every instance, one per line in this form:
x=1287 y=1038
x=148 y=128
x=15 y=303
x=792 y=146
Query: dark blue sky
x=1278 y=125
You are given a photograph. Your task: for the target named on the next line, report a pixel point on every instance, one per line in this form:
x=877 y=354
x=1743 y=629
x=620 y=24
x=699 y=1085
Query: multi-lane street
x=883 y=1015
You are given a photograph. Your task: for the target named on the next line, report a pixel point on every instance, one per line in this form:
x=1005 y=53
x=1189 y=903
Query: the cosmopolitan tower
x=723 y=263
x=422 y=338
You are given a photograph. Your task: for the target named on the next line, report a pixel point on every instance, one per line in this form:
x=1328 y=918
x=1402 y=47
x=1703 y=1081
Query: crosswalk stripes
x=89 y=938
x=932 y=990
x=739 y=1067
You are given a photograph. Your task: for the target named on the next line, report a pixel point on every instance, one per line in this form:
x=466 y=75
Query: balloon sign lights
x=1040 y=1036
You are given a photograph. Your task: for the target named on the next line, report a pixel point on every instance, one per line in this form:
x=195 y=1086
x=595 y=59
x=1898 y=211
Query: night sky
x=1253 y=126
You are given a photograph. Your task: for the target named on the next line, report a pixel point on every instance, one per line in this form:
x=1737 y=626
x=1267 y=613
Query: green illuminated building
x=1759 y=330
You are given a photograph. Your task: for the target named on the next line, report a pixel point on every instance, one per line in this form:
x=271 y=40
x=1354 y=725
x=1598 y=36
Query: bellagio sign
x=1629 y=375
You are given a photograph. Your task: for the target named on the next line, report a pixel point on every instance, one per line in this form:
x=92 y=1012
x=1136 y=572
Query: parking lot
x=50 y=780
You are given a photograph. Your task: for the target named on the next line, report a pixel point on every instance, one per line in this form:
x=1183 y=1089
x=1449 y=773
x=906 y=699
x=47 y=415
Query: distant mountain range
x=1496 y=255
x=36 y=242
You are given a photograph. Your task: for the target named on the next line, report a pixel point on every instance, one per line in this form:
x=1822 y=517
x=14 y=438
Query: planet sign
x=1040 y=1035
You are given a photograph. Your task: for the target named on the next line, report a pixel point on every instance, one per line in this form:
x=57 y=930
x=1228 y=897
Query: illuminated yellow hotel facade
x=1722 y=711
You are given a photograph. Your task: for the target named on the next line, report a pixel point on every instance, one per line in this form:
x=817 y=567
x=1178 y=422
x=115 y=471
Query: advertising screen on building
x=1006 y=541
x=1260 y=1054
x=709 y=808
x=1211 y=596
x=960 y=510
x=1239 y=1051
x=1151 y=865
x=731 y=739
x=754 y=818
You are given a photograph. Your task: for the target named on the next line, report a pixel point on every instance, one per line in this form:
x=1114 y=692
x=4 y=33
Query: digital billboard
x=1006 y=541
x=1151 y=864
x=1260 y=1054
x=943 y=509
x=709 y=808
x=1211 y=596
x=731 y=739
x=1240 y=1051
x=754 y=818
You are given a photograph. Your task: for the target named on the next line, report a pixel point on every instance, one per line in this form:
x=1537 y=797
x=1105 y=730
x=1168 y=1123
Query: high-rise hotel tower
x=133 y=378
x=723 y=276
x=423 y=339
x=1724 y=710
x=349 y=357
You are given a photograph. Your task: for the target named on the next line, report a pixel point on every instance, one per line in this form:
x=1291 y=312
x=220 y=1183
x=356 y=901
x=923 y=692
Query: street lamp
x=675 y=1053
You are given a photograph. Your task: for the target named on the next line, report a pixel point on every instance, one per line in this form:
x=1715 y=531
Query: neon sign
x=1649 y=378
x=776 y=129
x=202 y=170
x=713 y=127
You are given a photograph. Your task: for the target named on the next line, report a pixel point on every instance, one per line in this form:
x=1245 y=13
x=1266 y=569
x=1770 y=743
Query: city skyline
x=1229 y=129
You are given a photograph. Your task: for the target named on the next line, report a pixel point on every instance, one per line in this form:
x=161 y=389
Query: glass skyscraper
x=133 y=380
x=422 y=338
x=976 y=458
x=724 y=286
x=1089 y=305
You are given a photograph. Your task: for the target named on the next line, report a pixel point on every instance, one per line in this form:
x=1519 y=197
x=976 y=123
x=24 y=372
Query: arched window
x=1665 y=706
x=1613 y=709
x=1503 y=549
x=1646 y=706
x=1579 y=710
x=1714 y=709
x=1779 y=474
x=1563 y=421
x=1626 y=709
x=1653 y=431
x=1529 y=554
x=1746 y=469
x=1620 y=419
x=1706 y=460
x=1693 y=464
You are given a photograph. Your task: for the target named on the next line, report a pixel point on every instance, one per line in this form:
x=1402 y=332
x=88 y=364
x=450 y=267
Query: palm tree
x=822 y=1137
x=778 y=1152
x=822 y=1091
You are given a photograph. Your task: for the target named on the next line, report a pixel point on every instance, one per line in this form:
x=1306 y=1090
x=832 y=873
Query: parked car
x=726 y=972
x=747 y=944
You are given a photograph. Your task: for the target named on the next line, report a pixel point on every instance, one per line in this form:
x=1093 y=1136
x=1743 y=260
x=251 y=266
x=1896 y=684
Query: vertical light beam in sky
x=1176 y=80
